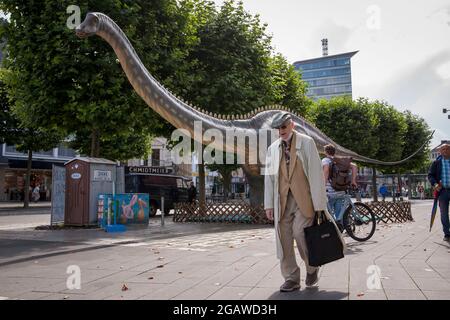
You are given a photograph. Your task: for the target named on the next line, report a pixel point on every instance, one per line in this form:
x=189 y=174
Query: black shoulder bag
x=322 y=240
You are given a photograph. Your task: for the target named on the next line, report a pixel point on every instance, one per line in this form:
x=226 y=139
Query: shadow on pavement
x=64 y=241
x=358 y=247
x=312 y=293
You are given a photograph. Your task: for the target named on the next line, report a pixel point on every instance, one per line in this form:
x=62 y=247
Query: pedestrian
x=192 y=193
x=383 y=191
x=439 y=177
x=293 y=192
x=421 y=191
x=36 y=193
x=346 y=172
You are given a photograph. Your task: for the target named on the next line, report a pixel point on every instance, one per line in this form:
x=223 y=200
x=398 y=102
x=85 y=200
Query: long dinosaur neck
x=167 y=105
x=183 y=116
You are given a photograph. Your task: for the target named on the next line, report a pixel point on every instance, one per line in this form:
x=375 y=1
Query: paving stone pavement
x=225 y=262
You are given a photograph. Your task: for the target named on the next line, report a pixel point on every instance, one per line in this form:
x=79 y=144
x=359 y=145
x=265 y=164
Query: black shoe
x=289 y=286
x=312 y=279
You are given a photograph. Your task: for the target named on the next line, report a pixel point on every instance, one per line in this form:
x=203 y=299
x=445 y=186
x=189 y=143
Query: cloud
x=337 y=35
x=424 y=90
x=442 y=14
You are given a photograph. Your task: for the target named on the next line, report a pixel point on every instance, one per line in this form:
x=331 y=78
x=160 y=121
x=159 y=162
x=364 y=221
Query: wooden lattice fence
x=229 y=212
x=392 y=212
x=242 y=212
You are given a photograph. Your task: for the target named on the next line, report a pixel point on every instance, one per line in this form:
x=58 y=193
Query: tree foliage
x=417 y=134
x=352 y=124
x=77 y=86
x=373 y=129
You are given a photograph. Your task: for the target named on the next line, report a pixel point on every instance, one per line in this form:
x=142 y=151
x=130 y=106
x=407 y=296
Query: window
x=326 y=63
x=156 y=157
x=329 y=81
x=326 y=73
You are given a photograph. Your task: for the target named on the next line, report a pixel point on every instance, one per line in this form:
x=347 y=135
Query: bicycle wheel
x=359 y=221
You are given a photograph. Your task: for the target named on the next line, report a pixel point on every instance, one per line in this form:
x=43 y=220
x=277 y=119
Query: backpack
x=339 y=173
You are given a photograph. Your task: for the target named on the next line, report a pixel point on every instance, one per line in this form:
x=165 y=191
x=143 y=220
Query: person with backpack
x=340 y=174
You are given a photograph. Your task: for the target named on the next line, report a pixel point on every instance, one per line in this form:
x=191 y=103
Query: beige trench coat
x=307 y=152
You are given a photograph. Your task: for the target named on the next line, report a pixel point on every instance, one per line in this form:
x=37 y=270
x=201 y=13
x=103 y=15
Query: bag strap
x=320 y=217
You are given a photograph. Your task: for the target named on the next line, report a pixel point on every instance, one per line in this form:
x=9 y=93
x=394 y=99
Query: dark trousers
x=444 y=198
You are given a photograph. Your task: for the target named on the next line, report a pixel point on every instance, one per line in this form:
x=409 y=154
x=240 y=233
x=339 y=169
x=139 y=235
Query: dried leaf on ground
x=124 y=287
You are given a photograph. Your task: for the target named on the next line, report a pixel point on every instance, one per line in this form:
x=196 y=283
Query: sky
x=404 y=47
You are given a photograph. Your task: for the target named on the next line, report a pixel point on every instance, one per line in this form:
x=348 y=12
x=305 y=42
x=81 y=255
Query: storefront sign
x=148 y=170
x=76 y=175
x=102 y=175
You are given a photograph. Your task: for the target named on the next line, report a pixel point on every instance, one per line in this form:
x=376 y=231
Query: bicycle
x=356 y=218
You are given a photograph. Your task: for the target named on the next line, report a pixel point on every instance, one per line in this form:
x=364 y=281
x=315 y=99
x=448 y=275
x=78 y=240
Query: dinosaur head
x=89 y=26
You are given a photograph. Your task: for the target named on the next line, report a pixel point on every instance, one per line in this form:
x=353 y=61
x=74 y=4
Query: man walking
x=384 y=191
x=439 y=177
x=192 y=193
x=293 y=192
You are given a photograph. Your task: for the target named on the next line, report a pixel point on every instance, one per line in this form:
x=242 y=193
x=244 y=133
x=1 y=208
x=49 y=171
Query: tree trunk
x=256 y=185
x=95 y=144
x=374 y=184
x=409 y=187
x=202 y=191
x=400 y=186
x=226 y=184
x=26 y=193
x=202 y=187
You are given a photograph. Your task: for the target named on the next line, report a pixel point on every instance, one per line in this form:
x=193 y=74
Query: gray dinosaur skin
x=181 y=115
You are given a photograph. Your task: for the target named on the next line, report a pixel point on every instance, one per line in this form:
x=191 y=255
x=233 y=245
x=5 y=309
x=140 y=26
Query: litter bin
x=85 y=179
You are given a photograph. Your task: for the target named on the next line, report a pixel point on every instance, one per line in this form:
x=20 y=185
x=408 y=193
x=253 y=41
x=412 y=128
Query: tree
x=417 y=134
x=351 y=124
x=390 y=130
x=77 y=86
x=8 y=123
x=235 y=70
x=287 y=87
x=373 y=129
x=225 y=171
x=27 y=139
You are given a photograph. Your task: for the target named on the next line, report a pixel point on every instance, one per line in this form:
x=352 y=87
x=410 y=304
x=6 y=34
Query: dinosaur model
x=182 y=115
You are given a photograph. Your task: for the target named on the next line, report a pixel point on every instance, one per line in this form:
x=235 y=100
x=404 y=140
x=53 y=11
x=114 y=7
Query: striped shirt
x=445 y=174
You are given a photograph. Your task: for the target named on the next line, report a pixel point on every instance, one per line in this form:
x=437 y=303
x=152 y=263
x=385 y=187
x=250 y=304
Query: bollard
x=162 y=211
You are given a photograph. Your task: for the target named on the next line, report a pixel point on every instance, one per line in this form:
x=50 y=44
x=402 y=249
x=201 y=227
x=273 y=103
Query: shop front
x=14 y=177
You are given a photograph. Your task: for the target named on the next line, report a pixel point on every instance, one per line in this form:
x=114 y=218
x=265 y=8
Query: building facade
x=327 y=76
x=161 y=157
x=13 y=166
x=434 y=153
